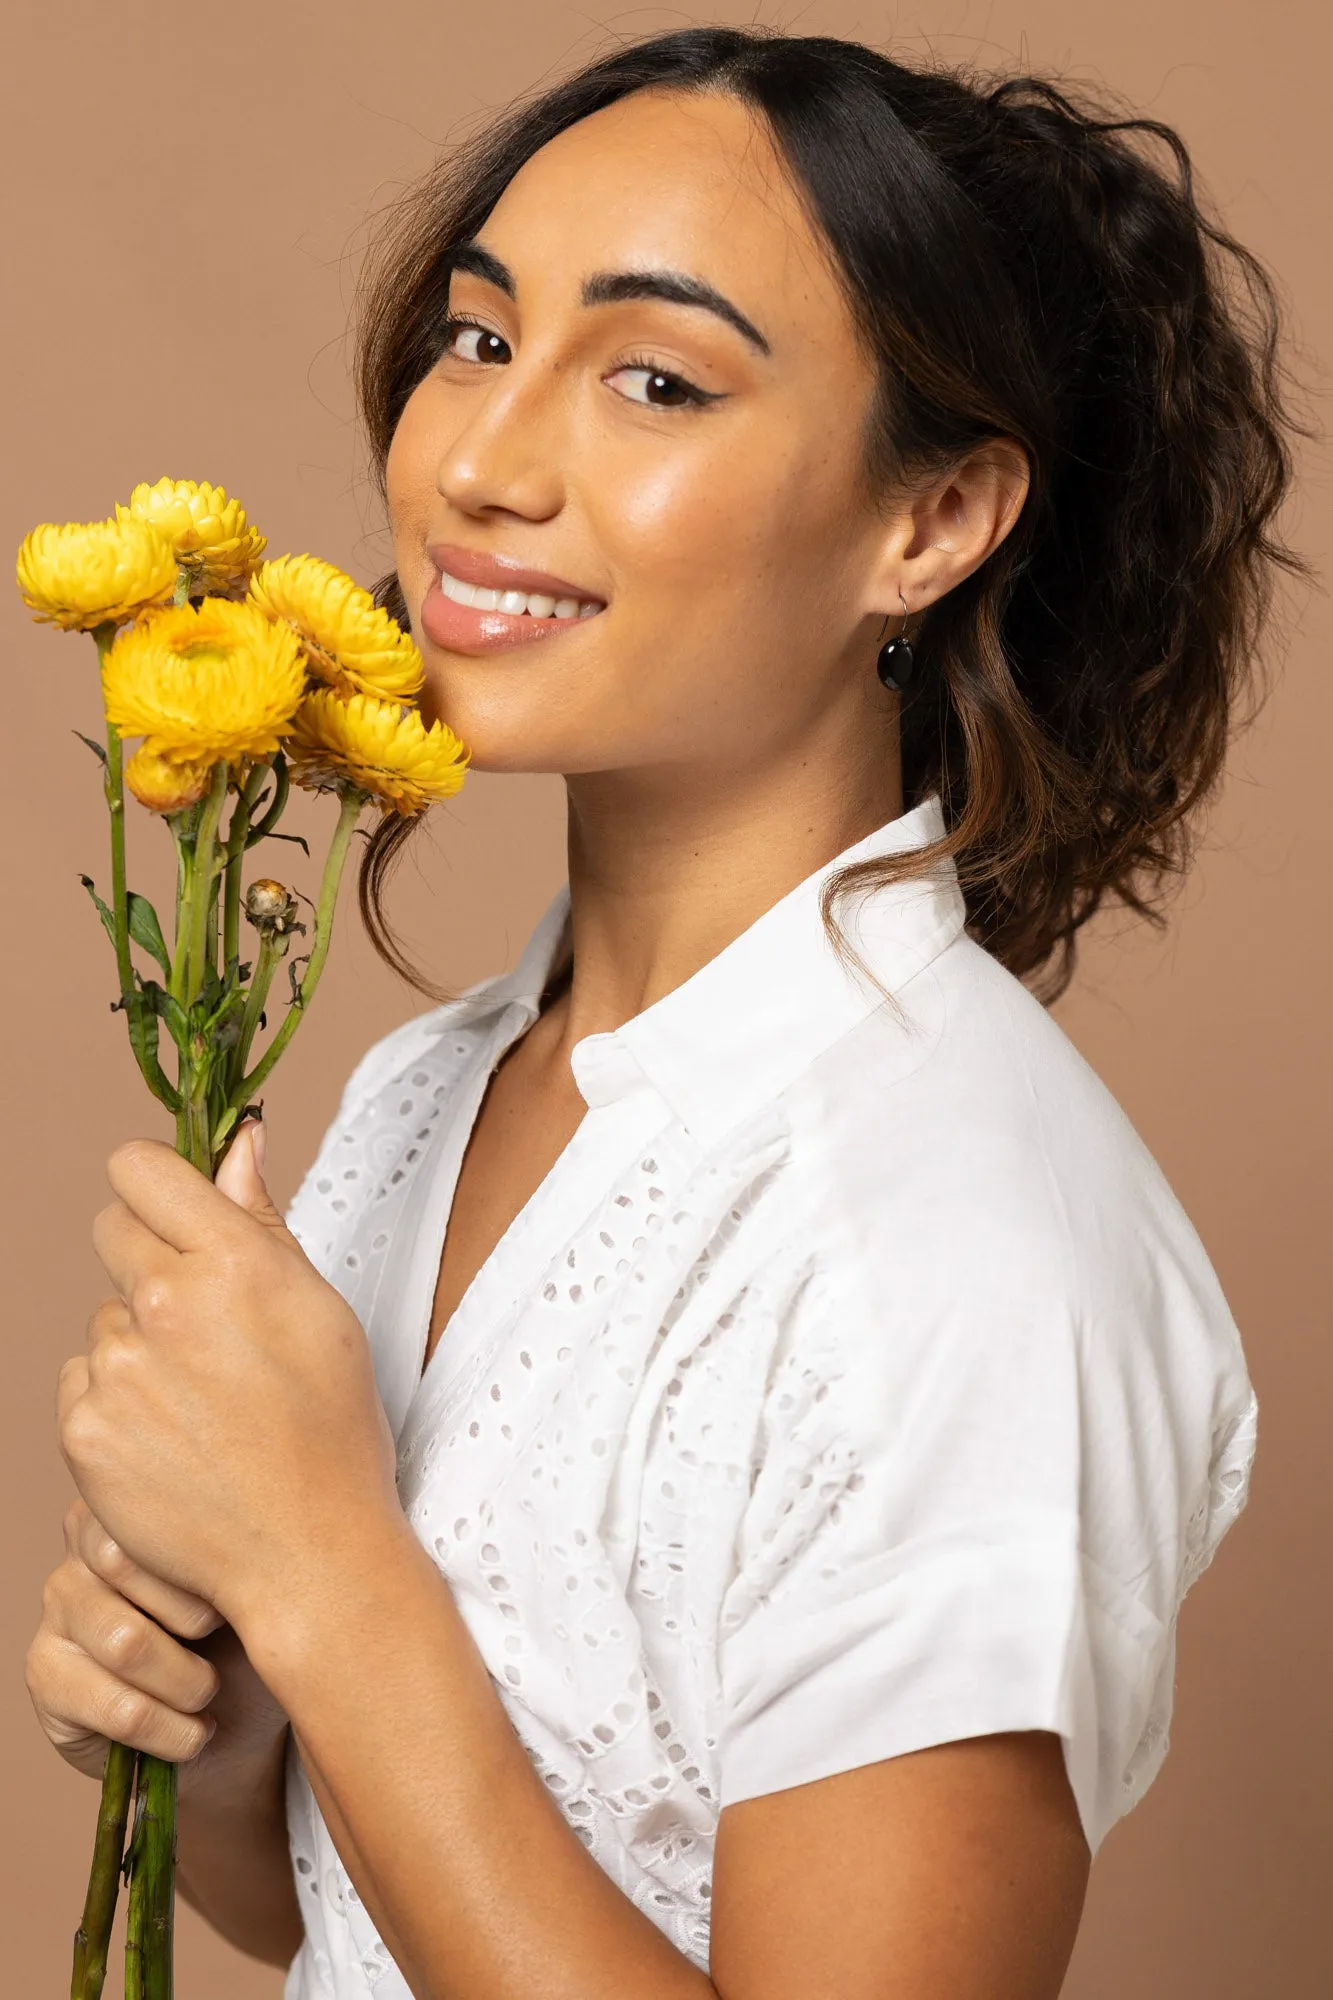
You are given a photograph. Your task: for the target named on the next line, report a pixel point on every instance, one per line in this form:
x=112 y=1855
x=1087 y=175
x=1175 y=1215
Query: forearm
x=232 y=1858
x=399 y=1727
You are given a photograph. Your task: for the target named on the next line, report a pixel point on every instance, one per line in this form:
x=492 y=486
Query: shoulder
x=1012 y=1293
x=962 y=1140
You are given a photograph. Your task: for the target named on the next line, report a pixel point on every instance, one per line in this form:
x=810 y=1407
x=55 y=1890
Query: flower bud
x=270 y=907
x=167 y=784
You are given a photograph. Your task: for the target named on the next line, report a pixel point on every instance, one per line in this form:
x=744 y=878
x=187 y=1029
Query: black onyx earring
x=894 y=665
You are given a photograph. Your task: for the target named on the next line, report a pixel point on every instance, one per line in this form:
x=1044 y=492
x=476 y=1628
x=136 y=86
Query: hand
x=224 y=1425
x=100 y=1670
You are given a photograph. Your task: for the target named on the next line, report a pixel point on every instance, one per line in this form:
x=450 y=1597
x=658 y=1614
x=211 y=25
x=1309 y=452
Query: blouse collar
x=738 y=1031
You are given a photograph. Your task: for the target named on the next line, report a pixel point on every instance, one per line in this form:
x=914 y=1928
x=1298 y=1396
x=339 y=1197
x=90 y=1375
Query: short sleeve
x=979 y=1500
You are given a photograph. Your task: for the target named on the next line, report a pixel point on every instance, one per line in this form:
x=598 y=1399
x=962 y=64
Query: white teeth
x=515 y=602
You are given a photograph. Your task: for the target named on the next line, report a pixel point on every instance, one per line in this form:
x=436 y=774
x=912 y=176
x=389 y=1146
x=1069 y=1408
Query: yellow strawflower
x=213 y=540
x=85 y=573
x=349 y=642
x=165 y=784
x=204 y=682
x=373 y=746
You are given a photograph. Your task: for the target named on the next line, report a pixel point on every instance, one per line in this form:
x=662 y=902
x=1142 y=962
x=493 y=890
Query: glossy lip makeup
x=487 y=603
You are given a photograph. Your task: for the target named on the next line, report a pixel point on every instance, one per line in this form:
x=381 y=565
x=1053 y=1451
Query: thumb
x=241 y=1174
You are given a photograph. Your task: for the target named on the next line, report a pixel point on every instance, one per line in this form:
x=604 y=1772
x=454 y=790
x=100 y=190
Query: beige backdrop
x=185 y=197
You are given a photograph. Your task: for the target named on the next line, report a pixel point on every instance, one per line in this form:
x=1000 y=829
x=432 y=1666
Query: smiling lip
x=503 y=573
x=464 y=628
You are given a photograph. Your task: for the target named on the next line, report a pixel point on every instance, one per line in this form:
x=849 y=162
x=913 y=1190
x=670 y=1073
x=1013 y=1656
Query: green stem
x=142 y=1040
x=92 y=1940
x=349 y=812
x=180 y=956
x=205 y=865
x=273 y=810
x=198 y=1139
x=115 y=805
x=135 y=1907
x=272 y=950
x=154 y=1875
x=237 y=840
x=177 y=983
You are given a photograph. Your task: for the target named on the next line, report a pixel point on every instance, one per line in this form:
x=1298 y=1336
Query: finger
x=179 y=1611
x=121 y=1638
x=76 y=1695
x=177 y=1203
x=129 y=1250
x=241 y=1176
x=71 y=1384
x=238 y=1170
x=111 y=1318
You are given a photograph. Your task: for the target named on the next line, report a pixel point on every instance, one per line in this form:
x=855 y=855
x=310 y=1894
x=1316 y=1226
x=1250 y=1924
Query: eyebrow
x=606 y=288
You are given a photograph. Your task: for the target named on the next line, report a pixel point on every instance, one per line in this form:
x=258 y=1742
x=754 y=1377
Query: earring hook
x=894 y=665
x=888 y=614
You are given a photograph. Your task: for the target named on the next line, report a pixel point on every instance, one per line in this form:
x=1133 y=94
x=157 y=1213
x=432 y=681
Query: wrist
x=303 y=1614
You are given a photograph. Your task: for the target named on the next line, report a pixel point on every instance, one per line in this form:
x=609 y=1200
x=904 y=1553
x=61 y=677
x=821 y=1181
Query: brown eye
x=490 y=347
x=661 y=390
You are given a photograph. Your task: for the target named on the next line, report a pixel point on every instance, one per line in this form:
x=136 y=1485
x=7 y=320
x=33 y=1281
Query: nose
x=509 y=455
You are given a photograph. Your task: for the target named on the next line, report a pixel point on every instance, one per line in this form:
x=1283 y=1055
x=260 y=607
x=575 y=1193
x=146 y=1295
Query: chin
x=500 y=733
x=495 y=743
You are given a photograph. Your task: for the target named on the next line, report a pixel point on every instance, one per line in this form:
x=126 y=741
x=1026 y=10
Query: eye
x=661 y=389
x=487 y=344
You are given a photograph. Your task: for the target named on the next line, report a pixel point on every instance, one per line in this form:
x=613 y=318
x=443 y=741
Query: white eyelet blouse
x=853 y=1382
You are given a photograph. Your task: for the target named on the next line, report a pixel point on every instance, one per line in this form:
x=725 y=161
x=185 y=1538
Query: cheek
x=695 y=515
x=732 y=546
x=409 y=480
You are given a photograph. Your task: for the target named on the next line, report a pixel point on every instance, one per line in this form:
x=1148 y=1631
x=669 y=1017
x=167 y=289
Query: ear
x=945 y=530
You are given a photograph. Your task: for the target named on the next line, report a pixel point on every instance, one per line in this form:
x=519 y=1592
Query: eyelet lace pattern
x=642 y=1351
x=581 y=1459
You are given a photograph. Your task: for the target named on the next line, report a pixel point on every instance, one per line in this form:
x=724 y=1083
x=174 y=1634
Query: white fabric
x=852 y=1383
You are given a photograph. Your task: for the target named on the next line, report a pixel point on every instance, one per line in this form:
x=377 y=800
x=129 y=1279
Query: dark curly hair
x=1021 y=263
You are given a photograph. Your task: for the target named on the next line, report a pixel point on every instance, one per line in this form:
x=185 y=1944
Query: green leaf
x=108 y=921
x=223 y=1127
x=143 y=1029
x=226 y=1014
x=167 y=1009
x=97 y=748
x=147 y=931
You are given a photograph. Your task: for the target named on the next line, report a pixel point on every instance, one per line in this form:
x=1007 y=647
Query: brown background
x=186 y=195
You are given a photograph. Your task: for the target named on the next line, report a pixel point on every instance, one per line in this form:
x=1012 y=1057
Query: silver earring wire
x=903 y=627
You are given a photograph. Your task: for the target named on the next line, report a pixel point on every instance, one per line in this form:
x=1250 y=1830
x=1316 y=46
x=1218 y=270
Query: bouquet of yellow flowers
x=239 y=677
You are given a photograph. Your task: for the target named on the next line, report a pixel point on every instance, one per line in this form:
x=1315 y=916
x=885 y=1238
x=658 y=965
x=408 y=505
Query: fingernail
x=259 y=1143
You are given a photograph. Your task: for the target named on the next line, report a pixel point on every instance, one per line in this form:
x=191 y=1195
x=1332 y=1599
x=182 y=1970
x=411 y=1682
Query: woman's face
x=694 y=479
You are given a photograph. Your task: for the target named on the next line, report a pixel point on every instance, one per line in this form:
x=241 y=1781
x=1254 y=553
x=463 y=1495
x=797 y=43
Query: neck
x=666 y=869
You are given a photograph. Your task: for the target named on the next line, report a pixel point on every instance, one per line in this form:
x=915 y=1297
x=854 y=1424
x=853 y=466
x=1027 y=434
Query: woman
x=741 y=1552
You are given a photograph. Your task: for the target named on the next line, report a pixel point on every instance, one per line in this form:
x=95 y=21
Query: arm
x=225 y=1426
x=955 y=1871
